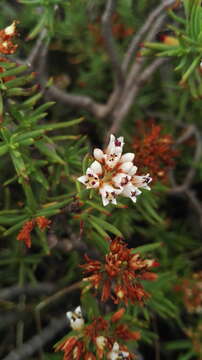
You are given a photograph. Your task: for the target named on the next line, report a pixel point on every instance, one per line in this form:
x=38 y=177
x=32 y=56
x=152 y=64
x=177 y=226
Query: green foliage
x=45 y=146
x=186 y=46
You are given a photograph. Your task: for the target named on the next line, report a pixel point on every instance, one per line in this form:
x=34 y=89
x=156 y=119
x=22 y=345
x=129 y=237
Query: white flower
x=114 y=174
x=76 y=318
x=117 y=354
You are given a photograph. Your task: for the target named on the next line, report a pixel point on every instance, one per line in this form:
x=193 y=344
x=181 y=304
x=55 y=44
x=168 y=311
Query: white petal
x=114 y=201
x=131 y=191
x=119 y=145
x=77 y=324
x=109 y=193
x=141 y=181
x=105 y=201
x=127 y=157
x=115 y=347
x=90 y=180
x=115 y=145
x=124 y=354
x=96 y=167
x=121 y=179
x=83 y=179
x=98 y=154
x=111 y=146
x=111 y=160
x=10 y=30
x=133 y=170
x=69 y=315
x=78 y=311
x=126 y=166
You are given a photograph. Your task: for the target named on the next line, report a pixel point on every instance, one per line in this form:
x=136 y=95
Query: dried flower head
x=25 y=233
x=120 y=31
x=42 y=222
x=96 y=340
x=119 y=276
x=6 y=39
x=195 y=334
x=154 y=151
x=192 y=292
x=114 y=174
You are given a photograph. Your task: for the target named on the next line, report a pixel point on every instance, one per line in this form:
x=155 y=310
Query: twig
x=13 y=291
x=84 y=102
x=109 y=41
x=146 y=27
x=185 y=188
x=150 y=69
x=38 y=341
x=129 y=95
x=192 y=170
x=36 y=49
x=195 y=203
x=58 y=294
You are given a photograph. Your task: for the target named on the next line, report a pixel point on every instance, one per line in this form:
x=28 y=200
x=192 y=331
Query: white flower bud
x=76 y=318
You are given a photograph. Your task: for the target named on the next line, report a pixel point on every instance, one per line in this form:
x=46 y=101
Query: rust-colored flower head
x=42 y=222
x=6 y=39
x=96 y=340
x=119 y=276
x=118 y=315
x=191 y=289
x=25 y=233
x=154 y=151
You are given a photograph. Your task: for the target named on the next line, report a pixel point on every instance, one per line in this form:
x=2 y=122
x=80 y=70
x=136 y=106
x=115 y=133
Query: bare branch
x=195 y=203
x=129 y=94
x=150 y=69
x=36 y=49
x=192 y=170
x=109 y=41
x=57 y=295
x=146 y=27
x=13 y=291
x=84 y=102
x=38 y=341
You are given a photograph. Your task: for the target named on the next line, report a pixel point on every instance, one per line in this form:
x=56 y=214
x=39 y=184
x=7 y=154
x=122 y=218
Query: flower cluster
x=6 y=39
x=119 y=276
x=192 y=293
x=97 y=340
x=25 y=233
x=195 y=334
x=154 y=152
x=114 y=174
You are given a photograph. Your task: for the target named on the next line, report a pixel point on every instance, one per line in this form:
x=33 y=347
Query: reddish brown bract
x=154 y=151
x=25 y=233
x=119 y=276
x=6 y=39
x=96 y=340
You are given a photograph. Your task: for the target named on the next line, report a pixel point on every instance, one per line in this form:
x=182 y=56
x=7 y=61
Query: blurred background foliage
x=46 y=144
